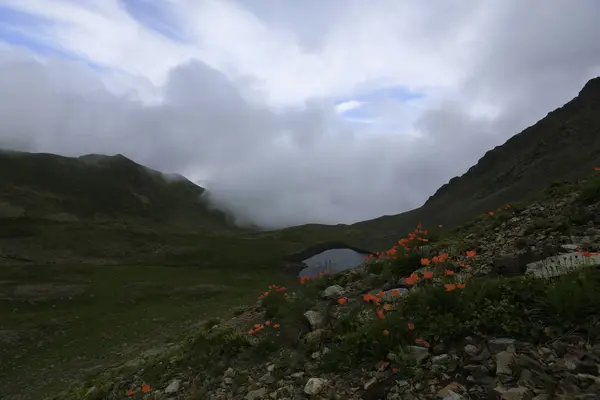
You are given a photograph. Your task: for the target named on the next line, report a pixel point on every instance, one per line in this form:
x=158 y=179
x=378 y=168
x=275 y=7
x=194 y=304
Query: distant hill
x=563 y=146
x=99 y=188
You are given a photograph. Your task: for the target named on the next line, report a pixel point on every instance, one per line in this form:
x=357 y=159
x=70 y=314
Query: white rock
x=315 y=386
x=173 y=386
x=314 y=318
x=333 y=292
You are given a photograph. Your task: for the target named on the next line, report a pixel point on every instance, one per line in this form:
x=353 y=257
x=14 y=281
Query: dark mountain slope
x=565 y=145
x=98 y=187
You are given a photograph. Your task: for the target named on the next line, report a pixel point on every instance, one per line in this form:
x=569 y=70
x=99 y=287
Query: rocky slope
x=563 y=146
x=440 y=315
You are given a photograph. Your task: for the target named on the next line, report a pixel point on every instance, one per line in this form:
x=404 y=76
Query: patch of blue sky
x=369 y=97
x=25 y=30
x=156 y=15
x=397 y=93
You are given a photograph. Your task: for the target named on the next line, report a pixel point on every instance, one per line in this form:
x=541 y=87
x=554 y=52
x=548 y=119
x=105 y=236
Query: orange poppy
x=395 y=292
x=342 y=300
x=411 y=326
x=145 y=388
x=387 y=307
x=130 y=392
x=449 y=287
x=471 y=253
x=386 y=332
x=491 y=213
x=428 y=275
x=448 y=272
x=267 y=323
x=425 y=261
x=460 y=285
x=275 y=326
x=380 y=314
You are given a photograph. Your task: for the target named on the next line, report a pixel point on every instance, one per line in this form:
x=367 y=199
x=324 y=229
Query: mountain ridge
x=564 y=145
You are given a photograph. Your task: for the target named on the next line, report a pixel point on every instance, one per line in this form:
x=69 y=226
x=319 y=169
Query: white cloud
x=347 y=106
x=246 y=102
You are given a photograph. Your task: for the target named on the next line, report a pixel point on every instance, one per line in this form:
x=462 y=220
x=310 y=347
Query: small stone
x=315 y=319
x=315 y=386
x=518 y=393
x=298 y=375
x=370 y=382
x=441 y=359
x=443 y=392
x=471 y=350
x=256 y=394
x=333 y=292
x=500 y=344
x=173 y=386
x=504 y=360
x=230 y=372
x=419 y=353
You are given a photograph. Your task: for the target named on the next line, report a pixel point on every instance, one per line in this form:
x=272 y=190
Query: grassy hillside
x=98 y=188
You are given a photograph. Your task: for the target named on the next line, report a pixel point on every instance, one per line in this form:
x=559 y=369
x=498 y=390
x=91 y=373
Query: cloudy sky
x=291 y=111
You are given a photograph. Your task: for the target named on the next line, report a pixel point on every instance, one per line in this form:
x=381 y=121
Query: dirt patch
x=43 y=291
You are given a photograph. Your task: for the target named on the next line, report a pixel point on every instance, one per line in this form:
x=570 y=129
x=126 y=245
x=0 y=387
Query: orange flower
x=251 y=332
x=275 y=326
x=425 y=261
x=411 y=326
x=395 y=370
x=471 y=253
x=386 y=332
x=435 y=259
x=422 y=341
x=380 y=293
x=395 y=292
x=444 y=257
x=145 y=388
x=597 y=168
x=428 y=275
x=410 y=280
x=448 y=272
x=130 y=392
x=460 y=285
x=369 y=297
x=342 y=300
x=387 y=307
x=267 y=323
x=380 y=314
x=491 y=213
x=425 y=240
x=449 y=287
